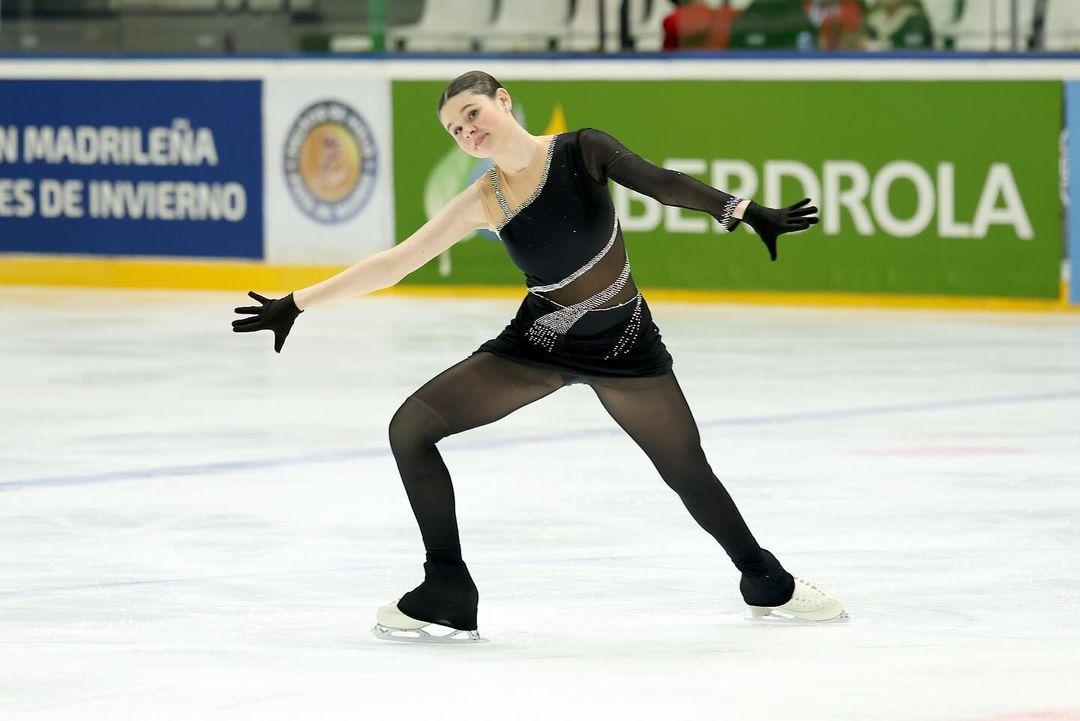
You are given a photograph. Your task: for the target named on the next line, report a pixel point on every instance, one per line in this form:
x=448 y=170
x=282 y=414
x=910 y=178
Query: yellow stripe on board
x=146 y=273
x=746 y=297
x=867 y=300
x=249 y=275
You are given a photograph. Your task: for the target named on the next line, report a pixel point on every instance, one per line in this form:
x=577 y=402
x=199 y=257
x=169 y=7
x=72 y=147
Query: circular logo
x=330 y=162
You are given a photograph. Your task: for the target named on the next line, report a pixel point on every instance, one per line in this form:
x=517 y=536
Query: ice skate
x=447 y=599
x=393 y=625
x=809 y=604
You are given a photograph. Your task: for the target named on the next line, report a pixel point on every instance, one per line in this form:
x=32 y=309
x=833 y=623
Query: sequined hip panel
x=611 y=343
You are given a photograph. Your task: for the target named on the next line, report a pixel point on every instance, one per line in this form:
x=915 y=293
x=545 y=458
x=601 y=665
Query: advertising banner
x=923 y=187
x=131 y=167
x=328 y=171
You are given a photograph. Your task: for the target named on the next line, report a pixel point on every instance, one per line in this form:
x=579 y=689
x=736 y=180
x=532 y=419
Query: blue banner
x=1072 y=125
x=131 y=167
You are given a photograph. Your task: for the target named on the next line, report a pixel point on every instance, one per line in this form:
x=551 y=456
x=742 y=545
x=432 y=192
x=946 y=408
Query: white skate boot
x=393 y=625
x=809 y=604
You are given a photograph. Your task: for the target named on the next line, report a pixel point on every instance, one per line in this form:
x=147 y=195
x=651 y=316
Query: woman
x=582 y=321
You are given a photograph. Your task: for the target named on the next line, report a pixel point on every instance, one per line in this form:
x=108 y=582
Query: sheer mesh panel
x=605 y=157
x=598 y=279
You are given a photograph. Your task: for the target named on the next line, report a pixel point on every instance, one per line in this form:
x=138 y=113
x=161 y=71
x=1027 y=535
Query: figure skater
x=583 y=320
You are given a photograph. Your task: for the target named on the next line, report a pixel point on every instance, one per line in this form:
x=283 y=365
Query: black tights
x=653 y=411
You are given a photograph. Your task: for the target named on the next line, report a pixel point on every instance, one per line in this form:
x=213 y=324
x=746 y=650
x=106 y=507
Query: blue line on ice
x=203 y=469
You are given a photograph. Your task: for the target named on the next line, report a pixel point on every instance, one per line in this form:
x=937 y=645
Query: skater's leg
x=654 y=412
x=479 y=390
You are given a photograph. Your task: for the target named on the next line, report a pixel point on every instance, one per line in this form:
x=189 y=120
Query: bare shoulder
x=483 y=193
x=468 y=205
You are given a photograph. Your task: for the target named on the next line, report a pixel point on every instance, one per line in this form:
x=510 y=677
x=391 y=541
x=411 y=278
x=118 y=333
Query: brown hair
x=474 y=81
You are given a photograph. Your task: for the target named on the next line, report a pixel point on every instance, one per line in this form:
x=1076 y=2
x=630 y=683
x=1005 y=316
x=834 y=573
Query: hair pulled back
x=474 y=81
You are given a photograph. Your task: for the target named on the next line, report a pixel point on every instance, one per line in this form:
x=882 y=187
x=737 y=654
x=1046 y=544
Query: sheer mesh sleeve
x=605 y=157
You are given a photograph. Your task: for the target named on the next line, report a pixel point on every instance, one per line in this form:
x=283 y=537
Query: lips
x=480 y=141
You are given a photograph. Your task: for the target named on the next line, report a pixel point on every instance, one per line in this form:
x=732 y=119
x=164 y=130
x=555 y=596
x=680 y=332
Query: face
x=477 y=123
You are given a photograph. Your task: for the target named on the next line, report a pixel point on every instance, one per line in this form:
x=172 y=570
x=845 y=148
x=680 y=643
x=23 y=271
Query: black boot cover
x=447 y=596
x=767 y=584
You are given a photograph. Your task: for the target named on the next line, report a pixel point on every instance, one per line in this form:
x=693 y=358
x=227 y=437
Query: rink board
x=935 y=220
x=1072 y=135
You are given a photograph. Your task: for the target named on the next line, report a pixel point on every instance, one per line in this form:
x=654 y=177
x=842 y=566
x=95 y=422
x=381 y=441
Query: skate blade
x=775 y=616
x=419 y=635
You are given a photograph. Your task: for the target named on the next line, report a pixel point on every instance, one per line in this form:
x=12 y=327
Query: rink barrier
x=1072 y=162
x=293 y=83
x=240 y=276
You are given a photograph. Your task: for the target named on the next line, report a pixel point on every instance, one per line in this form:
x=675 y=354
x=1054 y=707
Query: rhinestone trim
x=511 y=214
x=594 y=310
x=617 y=306
x=629 y=334
x=583 y=269
x=729 y=208
x=498 y=194
x=548 y=328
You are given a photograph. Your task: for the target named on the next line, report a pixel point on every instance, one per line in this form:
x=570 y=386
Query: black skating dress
x=583 y=315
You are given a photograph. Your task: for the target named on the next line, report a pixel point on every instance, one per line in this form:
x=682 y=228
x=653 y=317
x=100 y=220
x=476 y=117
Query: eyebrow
x=462 y=110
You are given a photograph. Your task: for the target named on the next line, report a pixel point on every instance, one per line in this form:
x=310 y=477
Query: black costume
x=583 y=314
x=582 y=321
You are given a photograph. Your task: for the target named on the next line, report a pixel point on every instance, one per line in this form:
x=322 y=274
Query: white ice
x=193 y=527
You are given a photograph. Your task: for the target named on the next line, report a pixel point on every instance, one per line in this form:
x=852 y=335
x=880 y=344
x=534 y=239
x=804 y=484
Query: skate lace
x=810 y=594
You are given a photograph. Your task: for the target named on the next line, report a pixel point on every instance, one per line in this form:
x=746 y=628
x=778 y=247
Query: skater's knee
x=415 y=424
x=688 y=472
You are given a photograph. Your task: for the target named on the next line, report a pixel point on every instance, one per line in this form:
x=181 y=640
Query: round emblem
x=330 y=162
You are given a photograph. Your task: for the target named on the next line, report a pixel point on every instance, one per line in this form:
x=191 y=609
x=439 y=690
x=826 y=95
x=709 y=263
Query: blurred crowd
x=799 y=24
x=535 y=26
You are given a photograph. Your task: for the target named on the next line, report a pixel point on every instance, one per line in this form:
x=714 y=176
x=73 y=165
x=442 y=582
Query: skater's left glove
x=769 y=223
x=276 y=314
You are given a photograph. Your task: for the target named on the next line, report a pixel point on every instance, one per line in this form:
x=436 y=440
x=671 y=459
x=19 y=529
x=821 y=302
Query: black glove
x=772 y=222
x=274 y=314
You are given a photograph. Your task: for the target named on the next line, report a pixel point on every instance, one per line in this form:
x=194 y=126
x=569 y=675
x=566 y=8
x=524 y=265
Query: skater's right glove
x=772 y=222
x=276 y=314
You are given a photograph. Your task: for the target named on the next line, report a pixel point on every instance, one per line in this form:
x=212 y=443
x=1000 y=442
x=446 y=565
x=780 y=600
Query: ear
x=502 y=98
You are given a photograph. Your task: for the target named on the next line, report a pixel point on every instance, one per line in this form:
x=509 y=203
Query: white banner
x=327 y=148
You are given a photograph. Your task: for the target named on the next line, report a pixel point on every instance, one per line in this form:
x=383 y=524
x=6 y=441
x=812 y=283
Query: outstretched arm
x=605 y=157
x=458 y=218
x=462 y=215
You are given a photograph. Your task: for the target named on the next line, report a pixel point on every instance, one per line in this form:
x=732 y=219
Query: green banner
x=924 y=187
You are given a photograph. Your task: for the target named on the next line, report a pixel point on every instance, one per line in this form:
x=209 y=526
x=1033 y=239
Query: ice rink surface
x=192 y=527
